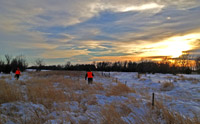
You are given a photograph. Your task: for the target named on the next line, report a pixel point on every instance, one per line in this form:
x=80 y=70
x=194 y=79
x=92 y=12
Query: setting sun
x=175 y=49
x=173 y=46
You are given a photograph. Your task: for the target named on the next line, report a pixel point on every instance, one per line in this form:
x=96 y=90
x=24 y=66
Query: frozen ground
x=183 y=97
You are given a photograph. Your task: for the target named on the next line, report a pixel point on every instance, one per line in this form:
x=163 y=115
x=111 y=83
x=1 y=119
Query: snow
x=183 y=98
x=102 y=99
x=23 y=110
x=185 y=93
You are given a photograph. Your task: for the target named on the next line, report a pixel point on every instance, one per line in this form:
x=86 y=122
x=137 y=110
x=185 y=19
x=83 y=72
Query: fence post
x=125 y=82
x=152 y=99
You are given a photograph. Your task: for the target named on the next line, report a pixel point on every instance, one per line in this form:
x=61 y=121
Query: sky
x=83 y=31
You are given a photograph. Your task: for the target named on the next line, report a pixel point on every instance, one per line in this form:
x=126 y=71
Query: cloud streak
x=98 y=29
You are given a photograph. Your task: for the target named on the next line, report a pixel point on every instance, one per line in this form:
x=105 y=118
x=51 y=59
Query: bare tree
x=39 y=63
x=1 y=65
x=8 y=59
x=67 y=65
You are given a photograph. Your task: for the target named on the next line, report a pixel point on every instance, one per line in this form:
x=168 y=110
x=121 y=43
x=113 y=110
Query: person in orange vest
x=89 y=75
x=17 y=73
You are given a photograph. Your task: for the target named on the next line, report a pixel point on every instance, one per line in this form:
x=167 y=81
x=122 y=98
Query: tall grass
x=9 y=92
x=172 y=117
x=119 y=89
x=109 y=115
x=43 y=92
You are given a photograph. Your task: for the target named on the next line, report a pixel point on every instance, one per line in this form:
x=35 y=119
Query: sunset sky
x=83 y=31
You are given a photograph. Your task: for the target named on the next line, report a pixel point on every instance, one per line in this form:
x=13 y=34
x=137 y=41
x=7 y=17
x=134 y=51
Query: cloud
x=63 y=53
x=94 y=28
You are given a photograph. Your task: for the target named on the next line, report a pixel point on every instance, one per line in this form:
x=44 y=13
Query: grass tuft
x=167 y=86
x=119 y=89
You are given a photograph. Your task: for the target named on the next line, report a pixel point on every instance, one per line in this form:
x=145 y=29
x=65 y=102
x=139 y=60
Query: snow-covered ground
x=183 y=97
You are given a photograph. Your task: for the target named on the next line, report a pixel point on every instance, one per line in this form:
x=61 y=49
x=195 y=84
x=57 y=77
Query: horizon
x=86 y=31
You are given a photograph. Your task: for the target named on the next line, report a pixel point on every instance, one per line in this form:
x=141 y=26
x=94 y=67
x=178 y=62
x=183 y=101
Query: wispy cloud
x=88 y=30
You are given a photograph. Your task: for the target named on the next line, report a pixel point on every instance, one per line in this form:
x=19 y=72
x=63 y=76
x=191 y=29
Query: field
x=64 y=97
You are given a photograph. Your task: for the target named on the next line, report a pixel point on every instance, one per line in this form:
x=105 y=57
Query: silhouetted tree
x=197 y=62
x=19 y=62
x=2 y=65
x=7 y=68
x=39 y=63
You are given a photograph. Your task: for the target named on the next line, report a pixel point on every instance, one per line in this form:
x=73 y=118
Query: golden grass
x=172 y=117
x=43 y=92
x=119 y=89
x=109 y=115
x=58 y=73
x=167 y=86
x=9 y=92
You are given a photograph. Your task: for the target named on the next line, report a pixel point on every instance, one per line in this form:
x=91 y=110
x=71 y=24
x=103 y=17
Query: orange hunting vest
x=89 y=74
x=17 y=72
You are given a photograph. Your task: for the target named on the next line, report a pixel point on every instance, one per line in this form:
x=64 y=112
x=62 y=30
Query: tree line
x=179 y=65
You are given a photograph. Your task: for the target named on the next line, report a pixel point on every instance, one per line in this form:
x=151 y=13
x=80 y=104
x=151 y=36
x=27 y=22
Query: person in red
x=17 y=73
x=89 y=75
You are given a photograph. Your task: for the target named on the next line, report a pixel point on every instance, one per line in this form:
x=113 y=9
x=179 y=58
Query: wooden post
x=152 y=99
x=125 y=82
x=116 y=80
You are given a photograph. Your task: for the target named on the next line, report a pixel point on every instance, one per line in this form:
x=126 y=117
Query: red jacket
x=89 y=75
x=17 y=72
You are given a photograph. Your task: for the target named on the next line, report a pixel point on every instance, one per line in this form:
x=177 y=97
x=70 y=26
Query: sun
x=175 y=46
x=172 y=47
x=175 y=49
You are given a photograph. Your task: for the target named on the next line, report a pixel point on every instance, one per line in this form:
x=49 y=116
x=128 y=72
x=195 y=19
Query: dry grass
x=167 y=86
x=172 y=117
x=6 y=76
x=43 y=92
x=142 y=79
x=46 y=74
x=139 y=75
x=109 y=115
x=119 y=89
x=9 y=92
x=193 y=80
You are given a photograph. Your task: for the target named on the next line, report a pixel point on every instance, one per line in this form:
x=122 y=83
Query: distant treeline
x=181 y=65
x=141 y=67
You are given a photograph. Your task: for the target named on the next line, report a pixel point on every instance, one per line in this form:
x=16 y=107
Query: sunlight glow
x=175 y=49
x=176 y=45
x=173 y=46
